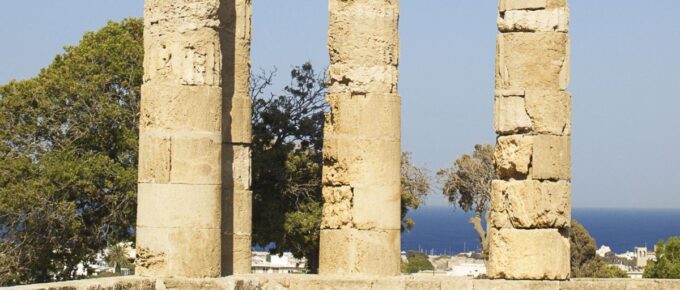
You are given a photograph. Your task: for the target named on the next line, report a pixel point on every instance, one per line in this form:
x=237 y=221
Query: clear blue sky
x=625 y=78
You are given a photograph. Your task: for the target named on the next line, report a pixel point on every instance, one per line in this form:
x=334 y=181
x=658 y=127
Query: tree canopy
x=68 y=159
x=287 y=164
x=416 y=262
x=667 y=264
x=585 y=263
x=68 y=156
x=467 y=184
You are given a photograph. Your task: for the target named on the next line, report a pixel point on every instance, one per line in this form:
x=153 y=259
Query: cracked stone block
x=550 y=111
x=352 y=251
x=154 y=158
x=505 y=5
x=363 y=32
x=359 y=79
x=526 y=204
x=546 y=20
x=337 y=207
x=183 y=252
x=510 y=115
x=174 y=206
x=528 y=254
x=513 y=156
x=195 y=58
x=360 y=162
x=551 y=158
x=532 y=61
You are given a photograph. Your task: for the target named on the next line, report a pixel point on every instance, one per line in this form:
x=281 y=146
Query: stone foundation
x=312 y=282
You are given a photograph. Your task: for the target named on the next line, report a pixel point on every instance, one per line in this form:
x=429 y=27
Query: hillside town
x=466 y=264
x=471 y=264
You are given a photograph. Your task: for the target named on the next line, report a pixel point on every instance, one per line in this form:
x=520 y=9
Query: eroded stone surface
x=528 y=254
x=545 y=20
x=538 y=61
x=550 y=111
x=505 y=5
x=530 y=201
x=551 y=159
x=513 y=156
x=353 y=251
x=527 y=204
x=361 y=156
x=510 y=115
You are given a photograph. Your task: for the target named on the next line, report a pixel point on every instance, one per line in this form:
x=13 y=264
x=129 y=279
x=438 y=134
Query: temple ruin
x=194 y=206
x=194 y=215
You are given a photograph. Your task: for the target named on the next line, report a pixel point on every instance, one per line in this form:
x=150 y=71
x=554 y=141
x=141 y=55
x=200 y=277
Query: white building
x=264 y=262
x=603 y=251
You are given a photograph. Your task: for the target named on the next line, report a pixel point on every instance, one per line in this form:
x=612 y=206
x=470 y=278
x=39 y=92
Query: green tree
x=68 y=155
x=467 y=184
x=416 y=262
x=585 y=263
x=415 y=185
x=667 y=265
x=117 y=256
x=287 y=144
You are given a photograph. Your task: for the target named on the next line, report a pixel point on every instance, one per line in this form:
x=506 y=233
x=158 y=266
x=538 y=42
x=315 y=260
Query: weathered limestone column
x=530 y=204
x=361 y=215
x=194 y=204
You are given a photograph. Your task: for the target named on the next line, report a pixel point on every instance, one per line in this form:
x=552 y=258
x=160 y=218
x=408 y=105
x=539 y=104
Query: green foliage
x=68 y=155
x=117 y=257
x=667 y=265
x=287 y=143
x=415 y=185
x=585 y=263
x=416 y=262
x=467 y=184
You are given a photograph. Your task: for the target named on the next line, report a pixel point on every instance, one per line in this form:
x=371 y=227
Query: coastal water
x=444 y=230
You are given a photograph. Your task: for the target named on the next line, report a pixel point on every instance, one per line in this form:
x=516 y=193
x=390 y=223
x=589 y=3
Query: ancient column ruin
x=361 y=181
x=194 y=204
x=530 y=203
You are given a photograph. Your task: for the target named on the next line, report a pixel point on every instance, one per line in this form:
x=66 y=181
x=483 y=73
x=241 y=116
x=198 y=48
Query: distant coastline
x=442 y=229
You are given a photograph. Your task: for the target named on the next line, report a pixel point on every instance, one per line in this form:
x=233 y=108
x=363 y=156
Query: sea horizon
x=445 y=229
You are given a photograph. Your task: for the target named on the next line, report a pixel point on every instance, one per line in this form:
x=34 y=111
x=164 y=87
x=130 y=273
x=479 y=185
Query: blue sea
x=445 y=230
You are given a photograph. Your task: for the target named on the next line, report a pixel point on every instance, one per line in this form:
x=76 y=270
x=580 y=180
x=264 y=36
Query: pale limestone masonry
x=360 y=231
x=315 y=282
x=530 y=203
x=194 y=204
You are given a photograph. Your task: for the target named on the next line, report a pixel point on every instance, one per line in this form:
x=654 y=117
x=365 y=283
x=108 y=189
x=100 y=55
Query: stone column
x=530 y=203
x=194 y=203
x=361 y=181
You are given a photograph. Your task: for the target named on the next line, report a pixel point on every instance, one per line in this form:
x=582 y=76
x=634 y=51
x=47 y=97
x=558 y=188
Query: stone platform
x=311 y=282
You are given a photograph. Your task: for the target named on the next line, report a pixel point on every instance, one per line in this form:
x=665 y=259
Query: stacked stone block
x=194 y=204
x=530 y=203
x=361 y=180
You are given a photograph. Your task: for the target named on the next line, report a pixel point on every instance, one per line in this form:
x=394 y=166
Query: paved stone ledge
x=297 y=282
